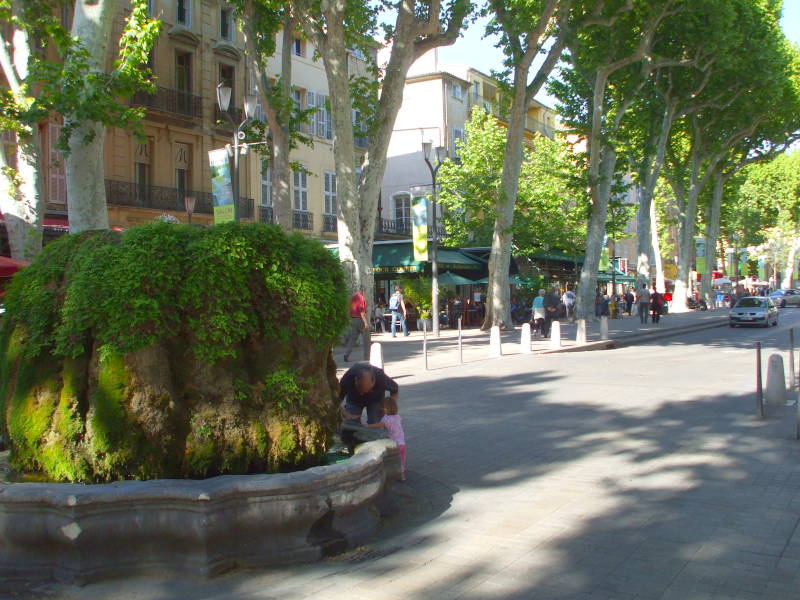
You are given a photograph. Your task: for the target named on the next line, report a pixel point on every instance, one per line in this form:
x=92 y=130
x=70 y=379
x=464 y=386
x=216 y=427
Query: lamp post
x=614 y=274
x=223 y=101
x=441 y=154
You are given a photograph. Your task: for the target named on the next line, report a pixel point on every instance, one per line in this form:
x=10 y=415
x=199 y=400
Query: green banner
x=419 y=220
x=605 y=260
x=221 y=190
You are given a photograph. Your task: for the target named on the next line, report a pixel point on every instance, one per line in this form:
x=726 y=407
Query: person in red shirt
x=359 y=324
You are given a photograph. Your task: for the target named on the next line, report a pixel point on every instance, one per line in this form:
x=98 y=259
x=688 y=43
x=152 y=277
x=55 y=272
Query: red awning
x=9 y=266
x=53 y=223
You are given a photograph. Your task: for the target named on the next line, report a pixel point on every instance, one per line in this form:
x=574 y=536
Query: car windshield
x=750 y=303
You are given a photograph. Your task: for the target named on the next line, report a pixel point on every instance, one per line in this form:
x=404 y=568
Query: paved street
x=638 y=473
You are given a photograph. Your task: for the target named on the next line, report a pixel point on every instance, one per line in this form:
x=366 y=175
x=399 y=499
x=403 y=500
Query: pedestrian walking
x=359 y=324
x=537 y=309
x=393 y=424
x=629 y=302
x=644 y=303
x=551 y=304
x=656 y=306
x=568 y=299
x=397 y=306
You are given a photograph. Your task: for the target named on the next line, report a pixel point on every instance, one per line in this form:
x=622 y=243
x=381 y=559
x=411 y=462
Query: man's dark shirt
x=551 y=300
x=383 y=384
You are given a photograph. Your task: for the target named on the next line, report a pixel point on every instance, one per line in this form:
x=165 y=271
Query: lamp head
x=223 y=96
x=250 y=106
x=441 y=153
x=426 y=149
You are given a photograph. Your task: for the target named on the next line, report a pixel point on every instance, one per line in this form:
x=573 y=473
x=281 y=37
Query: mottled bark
x=712 y=234
x=657 y=263
x=85 y=168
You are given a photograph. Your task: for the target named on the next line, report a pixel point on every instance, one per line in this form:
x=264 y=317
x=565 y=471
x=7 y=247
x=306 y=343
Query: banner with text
x=419 y=222
x=221 y=191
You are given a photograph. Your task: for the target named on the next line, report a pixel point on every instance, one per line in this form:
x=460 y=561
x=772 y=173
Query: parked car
x=785 y=298
x=754 y=310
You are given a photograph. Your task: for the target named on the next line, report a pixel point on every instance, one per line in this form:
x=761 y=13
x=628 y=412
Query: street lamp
x=441 y=154
x=223 y=102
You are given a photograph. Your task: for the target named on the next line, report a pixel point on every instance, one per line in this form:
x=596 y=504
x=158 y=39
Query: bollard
x=776 y=381
x=425 y=343
x=759 y=388
x=581 y=337
x=495 y=345
x=376 y=355
x=525 y=339
x=603 y=328
x=792 y=374
x=460 y=347
x=555 y=334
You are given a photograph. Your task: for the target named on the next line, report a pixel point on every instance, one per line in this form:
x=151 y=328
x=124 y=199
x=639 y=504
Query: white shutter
x=321 y=115
x=311 y=100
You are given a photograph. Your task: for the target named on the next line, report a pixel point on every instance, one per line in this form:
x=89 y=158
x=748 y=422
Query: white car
x=754 y=310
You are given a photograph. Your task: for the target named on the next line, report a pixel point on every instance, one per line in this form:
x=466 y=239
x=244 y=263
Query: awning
x=619 y=277
x=399 y=258
x=512 y=280
x=448 y=278
x=9 y=266
x=554 y=255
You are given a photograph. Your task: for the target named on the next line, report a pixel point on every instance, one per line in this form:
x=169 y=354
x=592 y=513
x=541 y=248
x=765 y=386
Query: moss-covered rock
x=171 y=351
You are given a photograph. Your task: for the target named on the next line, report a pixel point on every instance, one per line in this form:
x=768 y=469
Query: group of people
x=360 y=326
x=544 y=310
x=649 y=302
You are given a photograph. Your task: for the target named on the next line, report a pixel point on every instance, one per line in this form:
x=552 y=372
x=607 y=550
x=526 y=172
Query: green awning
x=456 y=258
x=448 y=278
x=619 y=277
x=558 y=256
x=398 y=258
x=512 y=280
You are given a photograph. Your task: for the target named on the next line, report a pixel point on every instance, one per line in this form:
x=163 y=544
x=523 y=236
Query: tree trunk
x=498 y=310
x=23 y=205
x=601 y=193
x=661 y=285
x=788 y=273
x=712 y=233
x=644 y=238
x=86 y=191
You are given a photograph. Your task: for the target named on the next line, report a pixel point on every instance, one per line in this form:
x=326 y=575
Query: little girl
x=393 y=425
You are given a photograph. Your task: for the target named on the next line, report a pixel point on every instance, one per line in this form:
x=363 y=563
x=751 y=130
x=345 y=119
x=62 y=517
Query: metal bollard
x=460 y=347
x=792 y=377
x=425 y=342
x=759 y=387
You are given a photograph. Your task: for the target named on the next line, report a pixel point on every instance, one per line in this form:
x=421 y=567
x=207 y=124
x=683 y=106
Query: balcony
x=402 y=227
x=170 y=101
x=126 y=193
x=302 y=219
x=539 y=127
x=221 y=117
x=329 y=224
x=266 y=214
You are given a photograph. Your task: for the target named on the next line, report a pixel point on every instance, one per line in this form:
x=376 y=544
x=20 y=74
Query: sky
x=480 y=54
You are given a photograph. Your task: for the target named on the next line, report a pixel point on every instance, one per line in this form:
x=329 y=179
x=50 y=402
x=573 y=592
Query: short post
x=425 y=342
x=376 y=355
x=580 y=338
x=603 y=328
x=555 y=335
x=460 y=347
x=792 y=374
x=495 y=345
x=776 y=381
x=525 y=339
x=759 y=388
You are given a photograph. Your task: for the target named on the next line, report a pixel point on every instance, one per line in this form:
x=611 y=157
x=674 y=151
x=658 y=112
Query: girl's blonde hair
x=390 y=406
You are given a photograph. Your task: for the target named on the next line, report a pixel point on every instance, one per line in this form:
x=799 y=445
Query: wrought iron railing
x=222 y=120
x=266 y=214
x=127 y=193
x=302 y=219
x=402 y=227
x=329 y=223
x=172 y=101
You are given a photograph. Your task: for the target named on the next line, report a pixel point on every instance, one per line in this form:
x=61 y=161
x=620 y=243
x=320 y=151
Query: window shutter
x=328 y=122
x=56 y=175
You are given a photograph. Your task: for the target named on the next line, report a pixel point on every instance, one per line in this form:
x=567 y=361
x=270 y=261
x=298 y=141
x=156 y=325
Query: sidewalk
x=404 y=355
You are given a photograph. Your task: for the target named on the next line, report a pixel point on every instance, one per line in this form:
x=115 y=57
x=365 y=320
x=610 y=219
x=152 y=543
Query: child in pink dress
x=393 y=425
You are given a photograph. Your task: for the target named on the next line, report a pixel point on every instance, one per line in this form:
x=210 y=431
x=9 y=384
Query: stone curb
x=73 y=533
x=638 y=338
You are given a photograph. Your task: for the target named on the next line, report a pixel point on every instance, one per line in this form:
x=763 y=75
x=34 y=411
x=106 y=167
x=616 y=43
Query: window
x=321 y=123
x=458 y=134
x=358 y=53
x=476 y=91
x=225 y=24
x=266 y=184
x=150 y=8
x=300 y=190
x=56 y=175
x=458 y=91
x=141 y=171
x=298 y=47
x=402 y=208
x=182 y=170
x=330 y=193
x=184 y=12
x=183 y=71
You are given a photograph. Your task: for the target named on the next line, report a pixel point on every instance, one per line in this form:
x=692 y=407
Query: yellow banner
x=419 y=220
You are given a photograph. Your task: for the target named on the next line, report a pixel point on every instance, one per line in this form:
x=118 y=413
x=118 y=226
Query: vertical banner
x=700 y=254
x=221 y=186
x=419 y=222
x=605 y=261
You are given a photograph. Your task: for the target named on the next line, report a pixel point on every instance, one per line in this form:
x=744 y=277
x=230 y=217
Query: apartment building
x=200 y=47
x=437 y=101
